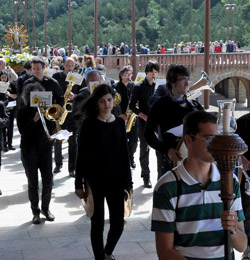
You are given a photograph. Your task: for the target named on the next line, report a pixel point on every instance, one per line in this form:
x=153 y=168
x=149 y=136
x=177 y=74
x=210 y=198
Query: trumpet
x=203 y=83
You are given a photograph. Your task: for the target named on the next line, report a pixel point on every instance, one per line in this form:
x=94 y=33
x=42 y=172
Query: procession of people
x=107 y=121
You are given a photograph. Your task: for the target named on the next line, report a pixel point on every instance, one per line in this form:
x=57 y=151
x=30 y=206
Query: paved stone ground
x=68 y=236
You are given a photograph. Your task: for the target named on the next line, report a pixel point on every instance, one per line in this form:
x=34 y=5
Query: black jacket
x=167 y=113
x=141 y=95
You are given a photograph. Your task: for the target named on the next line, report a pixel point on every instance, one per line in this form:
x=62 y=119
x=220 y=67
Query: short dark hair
x=152 y=65
x=173 y=72
x=192 y=120
x=27 y=65
x=37 y=59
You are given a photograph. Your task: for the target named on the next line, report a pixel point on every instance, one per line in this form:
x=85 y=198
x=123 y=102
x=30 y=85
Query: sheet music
x=177 y=131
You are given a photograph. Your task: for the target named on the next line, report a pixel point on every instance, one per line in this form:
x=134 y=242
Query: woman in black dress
x=103 y=164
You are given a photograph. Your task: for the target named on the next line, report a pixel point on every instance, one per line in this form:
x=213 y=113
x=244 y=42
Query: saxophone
x=67 y=107
x=131 y=117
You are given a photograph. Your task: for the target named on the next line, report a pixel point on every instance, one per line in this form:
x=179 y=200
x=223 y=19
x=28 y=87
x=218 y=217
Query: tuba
x=203 y=83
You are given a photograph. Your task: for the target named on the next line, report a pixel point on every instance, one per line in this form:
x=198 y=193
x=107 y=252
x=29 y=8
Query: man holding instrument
x=188 y=217
x=167 y=113
x=69 y=124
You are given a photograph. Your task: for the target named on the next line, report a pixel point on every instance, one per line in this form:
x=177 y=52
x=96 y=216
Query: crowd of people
x=125 y=49
x=186 y=207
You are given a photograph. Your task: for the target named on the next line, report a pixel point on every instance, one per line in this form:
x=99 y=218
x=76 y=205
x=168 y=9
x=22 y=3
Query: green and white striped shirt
x=196 y=222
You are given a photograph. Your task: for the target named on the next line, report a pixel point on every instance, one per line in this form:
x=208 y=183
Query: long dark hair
x=90 y=106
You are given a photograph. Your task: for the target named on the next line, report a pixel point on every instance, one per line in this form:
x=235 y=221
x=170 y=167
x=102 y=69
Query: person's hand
x=124 y=117
x=70 y=96
x=174 y=155
x=143 y=116
x=80 y=194
x=229 y=220
x=245 y=163
x=36 y=117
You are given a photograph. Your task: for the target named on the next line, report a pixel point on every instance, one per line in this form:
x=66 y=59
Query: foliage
x=157 y=21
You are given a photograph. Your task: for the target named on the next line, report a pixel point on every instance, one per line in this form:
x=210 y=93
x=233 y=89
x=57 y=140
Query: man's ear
x=188 y=140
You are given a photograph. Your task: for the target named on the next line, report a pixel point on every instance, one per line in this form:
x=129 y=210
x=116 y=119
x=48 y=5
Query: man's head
x=152 y=68
x=126 y=73
x=2 y=64
x=199 y=128
x=178 y=79
x=92 y=76
x=28 y=68
x=38 y=66
x=69 y=65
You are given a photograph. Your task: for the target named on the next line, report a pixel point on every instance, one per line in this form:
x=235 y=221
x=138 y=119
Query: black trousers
x=72 y=151
x=144 y=150
x=34 y=159
x=8 y=131
x=132 y=141
x=115 y=201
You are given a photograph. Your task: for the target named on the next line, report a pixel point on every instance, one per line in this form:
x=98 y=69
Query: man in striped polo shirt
x=188 y=216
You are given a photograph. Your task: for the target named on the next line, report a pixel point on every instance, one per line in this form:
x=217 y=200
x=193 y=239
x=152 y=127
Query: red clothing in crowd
x=217 y=49
x=162 y=50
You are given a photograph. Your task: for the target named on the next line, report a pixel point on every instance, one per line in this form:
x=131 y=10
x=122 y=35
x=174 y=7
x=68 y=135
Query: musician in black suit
x=36 y=154
x=124 y=87
x=168 y=112
x=69 y=124
x=140 y=95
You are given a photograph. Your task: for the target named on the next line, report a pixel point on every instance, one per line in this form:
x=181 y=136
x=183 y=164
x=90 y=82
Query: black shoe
x=1 y=192
x=72 y=174
x=109 y=257
x=36 y=219
x=5 y=149
x=147 y=183
x=132 y=165
x=57 y=169
x=49 y=216
x=12 y=148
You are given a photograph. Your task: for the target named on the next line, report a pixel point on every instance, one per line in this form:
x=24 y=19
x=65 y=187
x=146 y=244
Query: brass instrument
x=131 y=117
x=117 y=99
x=67 y=107
x=203 y=83
x=58 y=113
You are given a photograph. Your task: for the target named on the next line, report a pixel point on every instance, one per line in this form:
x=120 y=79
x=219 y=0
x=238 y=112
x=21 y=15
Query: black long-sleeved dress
x=103 y=155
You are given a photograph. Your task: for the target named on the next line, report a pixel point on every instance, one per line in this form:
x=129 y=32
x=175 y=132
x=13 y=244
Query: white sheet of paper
x=75 y=78
x=4 y=86
x=50 y=72
x=40 y=98
x=61 y=135
x=140 y=77
x=11 y=104
x=177 y=131
x=95 y=84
